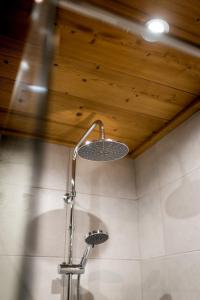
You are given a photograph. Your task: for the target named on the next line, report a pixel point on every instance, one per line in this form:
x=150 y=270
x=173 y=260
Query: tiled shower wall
x=168 y=187
x=33 y=223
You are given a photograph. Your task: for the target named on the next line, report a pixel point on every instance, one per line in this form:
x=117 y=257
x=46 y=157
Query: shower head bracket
x=70 y=269
x=69 y=197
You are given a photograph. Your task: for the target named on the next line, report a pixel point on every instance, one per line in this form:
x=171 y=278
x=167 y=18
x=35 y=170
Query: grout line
x=103 y=258
x=138 y=230
x=163 y=223
x=49 y=189
x=139 y=248
x=29 y=256
x=32 y=187
x=105 y=196
x=162 y=214
x=169 y=183
x=112 y=259
x=60 y=257
x=171 y=255
x=142 y=277
x=135 y=180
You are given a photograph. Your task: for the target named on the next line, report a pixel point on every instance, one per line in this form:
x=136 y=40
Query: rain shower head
x=103 y=150
x=96 y=237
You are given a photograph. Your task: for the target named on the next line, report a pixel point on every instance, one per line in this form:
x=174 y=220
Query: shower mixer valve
x=93 y=238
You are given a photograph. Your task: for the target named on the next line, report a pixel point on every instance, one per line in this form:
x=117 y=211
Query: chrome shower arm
x=69 y=197
x=92 y=127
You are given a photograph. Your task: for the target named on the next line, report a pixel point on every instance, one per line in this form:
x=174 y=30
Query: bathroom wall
x=34 y=219
x=154 y=247
x=168 y=188
x=106 y=200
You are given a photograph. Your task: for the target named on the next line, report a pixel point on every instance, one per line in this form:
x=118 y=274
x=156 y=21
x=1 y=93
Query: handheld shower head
x=96 y=237
x=93 y=238
x=103 y=150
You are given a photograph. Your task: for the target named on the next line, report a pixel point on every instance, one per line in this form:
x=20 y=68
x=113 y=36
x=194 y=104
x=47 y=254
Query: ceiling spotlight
x=154 y=29
x=157 y=26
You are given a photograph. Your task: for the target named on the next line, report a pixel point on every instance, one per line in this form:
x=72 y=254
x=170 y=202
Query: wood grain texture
x=140 y=90
x=175 y=122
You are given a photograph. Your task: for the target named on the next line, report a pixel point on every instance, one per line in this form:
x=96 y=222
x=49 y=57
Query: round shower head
x=103 y=150
x=96 y=237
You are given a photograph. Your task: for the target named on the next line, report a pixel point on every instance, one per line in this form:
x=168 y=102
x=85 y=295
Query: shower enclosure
x=99 y=150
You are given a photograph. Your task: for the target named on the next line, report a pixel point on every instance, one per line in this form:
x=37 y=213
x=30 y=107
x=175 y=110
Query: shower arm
x=69 y=197
x=92 y=127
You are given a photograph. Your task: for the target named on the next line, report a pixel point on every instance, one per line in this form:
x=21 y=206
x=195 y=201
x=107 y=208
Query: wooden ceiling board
x=182 y=15
x=140 y=90
x=72 y=110
x=25 y=124
x=160 y=65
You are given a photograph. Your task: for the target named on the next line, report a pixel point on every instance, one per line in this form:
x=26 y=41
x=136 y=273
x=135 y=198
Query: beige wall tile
x=146 y=173
x=109 y=179
x=32 y=221
x=116 y=216
x=181 y=209
x=151 y=234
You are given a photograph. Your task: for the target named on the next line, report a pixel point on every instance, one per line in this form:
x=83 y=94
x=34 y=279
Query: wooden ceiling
x=140 y=90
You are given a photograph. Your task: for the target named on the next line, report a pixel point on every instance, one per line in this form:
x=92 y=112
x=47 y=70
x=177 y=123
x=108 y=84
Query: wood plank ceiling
x=140 y=90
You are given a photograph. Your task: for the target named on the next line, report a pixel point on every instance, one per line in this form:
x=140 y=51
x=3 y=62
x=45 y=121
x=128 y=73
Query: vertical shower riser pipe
x=73 y=195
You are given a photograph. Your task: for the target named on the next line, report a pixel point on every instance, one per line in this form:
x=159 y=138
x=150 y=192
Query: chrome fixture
x=155 y=29
x=96 y=237
x=157 y=26
x=93 y=238
x=103 y=150
x=99 y=150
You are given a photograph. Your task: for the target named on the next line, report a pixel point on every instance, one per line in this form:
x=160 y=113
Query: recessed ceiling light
x=157 y=26
x=154 y=29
